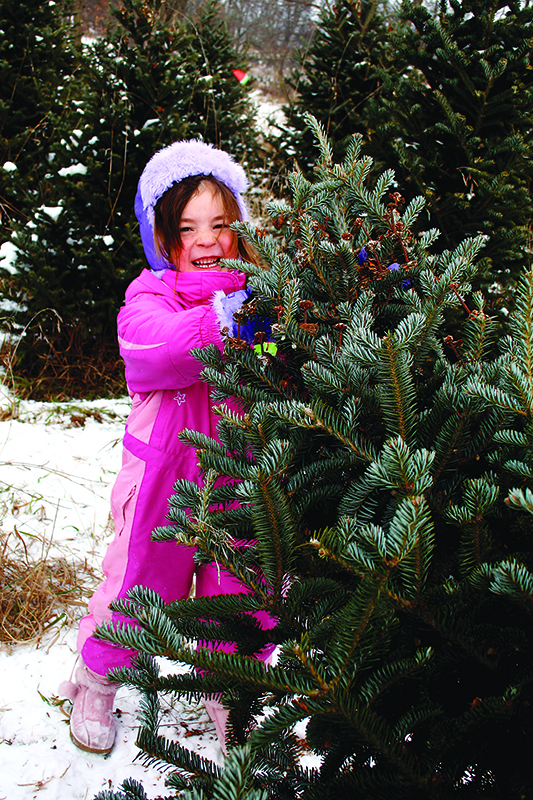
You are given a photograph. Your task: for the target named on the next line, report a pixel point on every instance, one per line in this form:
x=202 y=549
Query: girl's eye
x=185 y=230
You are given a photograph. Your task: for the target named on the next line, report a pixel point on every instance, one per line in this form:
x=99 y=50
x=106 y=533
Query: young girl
x=188 y=195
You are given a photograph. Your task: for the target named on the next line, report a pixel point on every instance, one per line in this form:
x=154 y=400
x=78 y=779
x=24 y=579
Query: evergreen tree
x=220 y=109
x=38 y=62
x=143 y=87
x=451 y=113
x=460 y=130
x=339 y=77
x=383 y=478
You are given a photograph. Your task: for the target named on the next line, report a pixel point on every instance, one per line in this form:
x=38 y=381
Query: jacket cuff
x=210 y=329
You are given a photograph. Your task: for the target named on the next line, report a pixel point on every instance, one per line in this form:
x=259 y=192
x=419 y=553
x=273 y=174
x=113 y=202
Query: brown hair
x=170 y=207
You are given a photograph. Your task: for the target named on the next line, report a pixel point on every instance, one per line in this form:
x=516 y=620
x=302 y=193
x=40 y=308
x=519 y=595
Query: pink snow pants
x=133 y=559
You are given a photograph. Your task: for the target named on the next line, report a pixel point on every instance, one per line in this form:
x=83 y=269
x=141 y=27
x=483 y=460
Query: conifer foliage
x=445 y=100
x=382 y=473
x=142 y=87
x=339 y=77
x=38 y=63
x=460 y=126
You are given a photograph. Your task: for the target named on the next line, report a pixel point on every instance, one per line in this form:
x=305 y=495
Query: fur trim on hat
x=181 y=160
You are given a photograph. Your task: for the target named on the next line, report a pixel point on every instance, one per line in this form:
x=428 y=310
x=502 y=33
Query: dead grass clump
x=61 y=363
x=36 y=594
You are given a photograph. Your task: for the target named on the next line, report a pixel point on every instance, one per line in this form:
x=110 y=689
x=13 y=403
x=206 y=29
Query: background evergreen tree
x=445 y=100
x=460 y=128
x=38 y=63
x=383 y=475
x=339 y=78
x=143 y=87
x=220 y=109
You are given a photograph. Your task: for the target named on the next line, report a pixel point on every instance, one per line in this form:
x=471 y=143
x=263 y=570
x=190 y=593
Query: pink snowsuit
x=161 y=321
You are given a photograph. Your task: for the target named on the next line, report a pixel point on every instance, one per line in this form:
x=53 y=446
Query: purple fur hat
x=171 y=165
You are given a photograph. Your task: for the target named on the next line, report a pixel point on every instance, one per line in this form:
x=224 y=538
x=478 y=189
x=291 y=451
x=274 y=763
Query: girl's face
x=205 y=234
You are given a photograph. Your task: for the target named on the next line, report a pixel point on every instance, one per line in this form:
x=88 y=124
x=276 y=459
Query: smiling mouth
x=207 y=263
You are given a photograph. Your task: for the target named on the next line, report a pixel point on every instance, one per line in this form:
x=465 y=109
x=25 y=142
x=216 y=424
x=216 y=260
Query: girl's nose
x=206 y=237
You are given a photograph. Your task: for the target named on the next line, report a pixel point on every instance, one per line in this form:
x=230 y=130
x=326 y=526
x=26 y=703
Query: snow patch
x=58 y=465
x=51 y=211
x=74 y=169
x=8 y=255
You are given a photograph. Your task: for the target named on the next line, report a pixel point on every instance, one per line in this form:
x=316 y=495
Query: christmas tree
x=383 y=477
x=339 y=78
x=460 y=129
x=136 y=91
x=38 y=62
x=220 y=110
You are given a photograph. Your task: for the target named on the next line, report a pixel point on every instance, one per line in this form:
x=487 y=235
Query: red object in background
x=241 y=76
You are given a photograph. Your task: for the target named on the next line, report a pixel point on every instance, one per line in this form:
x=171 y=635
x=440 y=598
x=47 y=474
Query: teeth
x=206 y=262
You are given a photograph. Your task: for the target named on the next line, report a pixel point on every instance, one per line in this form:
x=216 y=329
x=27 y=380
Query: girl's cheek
x=232 y=247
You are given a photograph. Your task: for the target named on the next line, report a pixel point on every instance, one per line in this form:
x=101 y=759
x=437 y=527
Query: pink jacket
x=161 y=321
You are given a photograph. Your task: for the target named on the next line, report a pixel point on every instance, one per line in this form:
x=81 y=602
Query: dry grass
x=61 y=364
x=37 y=593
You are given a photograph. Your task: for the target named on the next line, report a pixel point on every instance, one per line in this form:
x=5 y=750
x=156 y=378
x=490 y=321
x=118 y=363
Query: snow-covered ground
x=269 y=112
x=57 y=465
